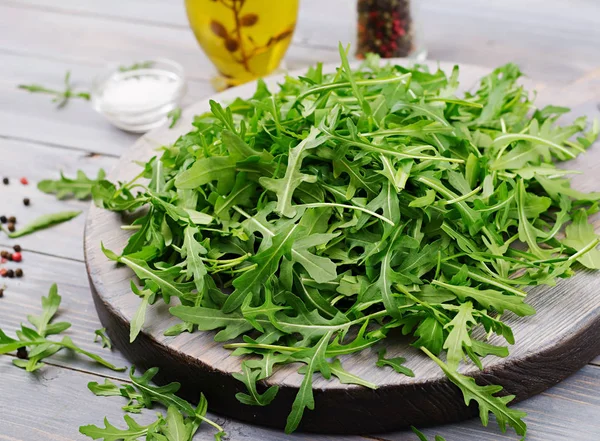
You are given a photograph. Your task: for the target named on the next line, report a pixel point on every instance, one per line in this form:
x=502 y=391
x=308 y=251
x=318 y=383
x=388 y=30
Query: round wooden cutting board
x=561 y=338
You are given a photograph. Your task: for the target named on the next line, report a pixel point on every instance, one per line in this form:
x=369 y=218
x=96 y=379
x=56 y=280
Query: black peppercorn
x=3 y=219
x=10 y=273
x=11 y=227
x=5 y=181
x=26 y=202
x=22 y=353
x=12 y=220
x=17 y=248
x=4 y=254
x=19 y=272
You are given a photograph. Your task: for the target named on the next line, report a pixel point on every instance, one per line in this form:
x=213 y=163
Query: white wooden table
x=556 y=42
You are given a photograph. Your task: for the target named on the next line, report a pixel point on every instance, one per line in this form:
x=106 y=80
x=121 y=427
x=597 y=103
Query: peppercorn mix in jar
x=385 y=27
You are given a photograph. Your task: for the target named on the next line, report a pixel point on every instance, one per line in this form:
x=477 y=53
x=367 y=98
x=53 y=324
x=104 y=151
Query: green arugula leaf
x=133 y=432
x=490 y=298
x=79 y=187
x=285 y=187
x=43 y=222
x=395 y=363
x=60 y=97
x=484 y=396
x=249 y=377
x=265 y=263
x=346 y=377
x=315 y=361
x=580 y=235
x=458 y=335
x=104 y=340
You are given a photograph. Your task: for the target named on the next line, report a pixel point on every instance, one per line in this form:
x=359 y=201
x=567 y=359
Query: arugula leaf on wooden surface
x=38 y=341
x=79 y=187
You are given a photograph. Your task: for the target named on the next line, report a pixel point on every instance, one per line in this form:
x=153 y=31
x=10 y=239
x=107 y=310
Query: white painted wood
x=28 y=116
x=102 y=40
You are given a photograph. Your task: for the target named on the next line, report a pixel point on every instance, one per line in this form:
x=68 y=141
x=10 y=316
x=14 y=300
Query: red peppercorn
x=16 y=257
x=3 y=260
x=3 y=272
x=24 y=181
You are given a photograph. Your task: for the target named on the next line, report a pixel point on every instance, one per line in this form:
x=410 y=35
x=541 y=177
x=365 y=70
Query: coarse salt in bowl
x=139 y=97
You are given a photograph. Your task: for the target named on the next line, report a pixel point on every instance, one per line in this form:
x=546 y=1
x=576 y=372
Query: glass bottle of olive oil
x=245 y=39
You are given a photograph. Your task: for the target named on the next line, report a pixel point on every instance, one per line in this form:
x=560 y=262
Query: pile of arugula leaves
x=311 y=220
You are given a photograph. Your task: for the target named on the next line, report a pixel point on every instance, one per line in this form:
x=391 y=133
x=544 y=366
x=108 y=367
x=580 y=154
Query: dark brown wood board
x=559 y=340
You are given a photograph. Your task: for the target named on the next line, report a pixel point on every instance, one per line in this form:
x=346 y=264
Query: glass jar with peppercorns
x=387 y=28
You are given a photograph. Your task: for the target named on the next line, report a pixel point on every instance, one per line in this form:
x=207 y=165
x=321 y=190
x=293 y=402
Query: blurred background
x=555 y=42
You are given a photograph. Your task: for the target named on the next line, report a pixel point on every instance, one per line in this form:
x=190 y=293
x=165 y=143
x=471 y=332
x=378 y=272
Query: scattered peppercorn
x=1 y=292
x=3 y=260
x=22 y=353
x=10 y=273
x=17 y=248
x=5 y=181
x=3 y=219
x=11 y=227
x=19 y=272
x=4 y=254
x=16 y=257
x=26 y=202
x=12 y=220
x=24 y=181
x=3 y=272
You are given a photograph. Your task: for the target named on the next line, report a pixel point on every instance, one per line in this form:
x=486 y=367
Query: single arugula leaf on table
x=41 y=346
x=100 y=335
x=79 y=187
x=43 y=222
x=60 y=97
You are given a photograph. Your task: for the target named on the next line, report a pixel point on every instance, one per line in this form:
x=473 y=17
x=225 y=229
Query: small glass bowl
x=139 y=97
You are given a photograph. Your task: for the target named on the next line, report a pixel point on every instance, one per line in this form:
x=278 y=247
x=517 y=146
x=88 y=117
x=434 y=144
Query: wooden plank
x=34 y=117
x=156 y=12
x=552 y=40
x=101 y=40
x=37 y=162
x=63 y=403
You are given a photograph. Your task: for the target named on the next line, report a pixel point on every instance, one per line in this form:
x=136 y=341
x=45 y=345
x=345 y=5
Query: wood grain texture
x=34 y=117
x=52 y=416
x=101 y=40
x=560 y=339
x=568 y=411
